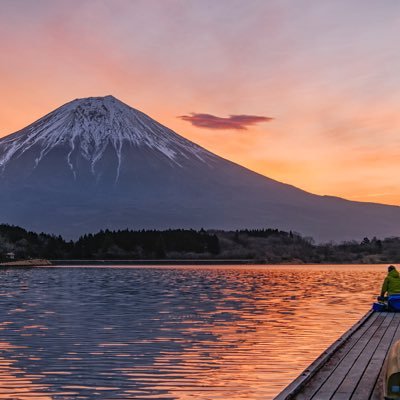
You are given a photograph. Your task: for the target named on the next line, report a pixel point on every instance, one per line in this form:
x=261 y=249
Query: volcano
x=96 y=163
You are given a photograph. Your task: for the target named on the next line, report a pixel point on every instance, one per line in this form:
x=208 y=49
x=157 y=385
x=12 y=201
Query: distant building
x=10 y=255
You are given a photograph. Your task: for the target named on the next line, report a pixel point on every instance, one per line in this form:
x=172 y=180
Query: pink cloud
x=240 y=122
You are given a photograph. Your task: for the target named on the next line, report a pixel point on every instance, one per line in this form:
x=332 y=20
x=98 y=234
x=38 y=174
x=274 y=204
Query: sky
x=304 y=92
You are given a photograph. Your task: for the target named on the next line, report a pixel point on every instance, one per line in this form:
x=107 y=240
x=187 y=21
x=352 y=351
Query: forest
x=270 y=246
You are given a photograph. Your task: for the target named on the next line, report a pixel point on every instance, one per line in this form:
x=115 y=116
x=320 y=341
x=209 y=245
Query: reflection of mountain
x=97 y=163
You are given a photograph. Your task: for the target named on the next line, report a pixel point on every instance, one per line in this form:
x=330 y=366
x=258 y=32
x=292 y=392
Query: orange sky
x=327 y=72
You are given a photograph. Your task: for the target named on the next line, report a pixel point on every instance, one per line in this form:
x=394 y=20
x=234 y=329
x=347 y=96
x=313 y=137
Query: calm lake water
x=231 y=332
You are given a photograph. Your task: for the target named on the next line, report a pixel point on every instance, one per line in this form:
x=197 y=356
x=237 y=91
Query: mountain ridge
x=96 y=163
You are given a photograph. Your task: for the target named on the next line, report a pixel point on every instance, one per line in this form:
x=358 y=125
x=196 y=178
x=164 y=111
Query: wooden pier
x=352 y=368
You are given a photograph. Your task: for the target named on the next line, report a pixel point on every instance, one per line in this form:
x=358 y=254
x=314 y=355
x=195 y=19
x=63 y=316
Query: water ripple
x=171 y=333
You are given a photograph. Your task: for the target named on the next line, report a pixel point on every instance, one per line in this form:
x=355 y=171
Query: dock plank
x=352 y=368
x=323 y=374
x=354 y=375
x=377 y=392
x=343 y=366
x=368 y=381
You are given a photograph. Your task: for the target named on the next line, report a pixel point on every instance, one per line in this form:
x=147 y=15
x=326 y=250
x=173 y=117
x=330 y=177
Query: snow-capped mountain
x=97 y=163
x=89 y=128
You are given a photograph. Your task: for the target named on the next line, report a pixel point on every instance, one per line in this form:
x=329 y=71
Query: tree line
x=107 y=244
x=261 y=245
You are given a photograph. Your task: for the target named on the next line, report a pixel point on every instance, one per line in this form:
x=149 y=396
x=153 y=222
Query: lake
x=201 y=332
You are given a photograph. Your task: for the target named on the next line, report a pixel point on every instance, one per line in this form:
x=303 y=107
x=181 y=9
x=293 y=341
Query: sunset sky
x=305 y=92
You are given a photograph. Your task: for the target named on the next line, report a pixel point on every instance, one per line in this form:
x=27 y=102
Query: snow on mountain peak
x=90 y=126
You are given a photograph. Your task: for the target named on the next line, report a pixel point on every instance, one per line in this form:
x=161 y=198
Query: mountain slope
x=97 y=163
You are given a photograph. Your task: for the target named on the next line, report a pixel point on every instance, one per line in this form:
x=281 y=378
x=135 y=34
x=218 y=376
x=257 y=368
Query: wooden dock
x=352 y=367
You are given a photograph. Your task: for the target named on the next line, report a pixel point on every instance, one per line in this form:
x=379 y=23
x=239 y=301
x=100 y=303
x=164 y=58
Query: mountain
x=97 y=163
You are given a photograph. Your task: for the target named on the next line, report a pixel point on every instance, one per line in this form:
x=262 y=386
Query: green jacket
x=391 y=284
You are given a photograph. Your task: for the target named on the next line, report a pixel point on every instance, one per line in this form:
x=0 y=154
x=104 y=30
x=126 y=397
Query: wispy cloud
x=209 y=121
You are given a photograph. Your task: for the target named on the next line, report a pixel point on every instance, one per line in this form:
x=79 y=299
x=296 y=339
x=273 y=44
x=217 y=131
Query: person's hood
x=394 y=273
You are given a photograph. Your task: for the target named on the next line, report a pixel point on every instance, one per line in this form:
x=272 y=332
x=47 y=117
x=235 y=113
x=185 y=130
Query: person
x=391 y=284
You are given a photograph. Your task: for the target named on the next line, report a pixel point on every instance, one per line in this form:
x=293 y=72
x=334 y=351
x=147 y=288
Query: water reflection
x=15 y=382
x=171 y=333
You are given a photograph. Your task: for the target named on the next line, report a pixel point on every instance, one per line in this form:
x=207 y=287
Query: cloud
x=209 y=121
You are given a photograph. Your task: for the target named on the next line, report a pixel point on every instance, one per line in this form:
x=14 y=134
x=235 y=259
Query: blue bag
x=379 y=307
x=394 y=302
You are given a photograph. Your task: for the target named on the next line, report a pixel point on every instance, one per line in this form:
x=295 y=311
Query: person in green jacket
x=391 y=284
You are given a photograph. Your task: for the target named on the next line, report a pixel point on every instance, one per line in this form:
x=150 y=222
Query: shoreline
x=155 y=262
x=209 y=261
x=27 y=263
